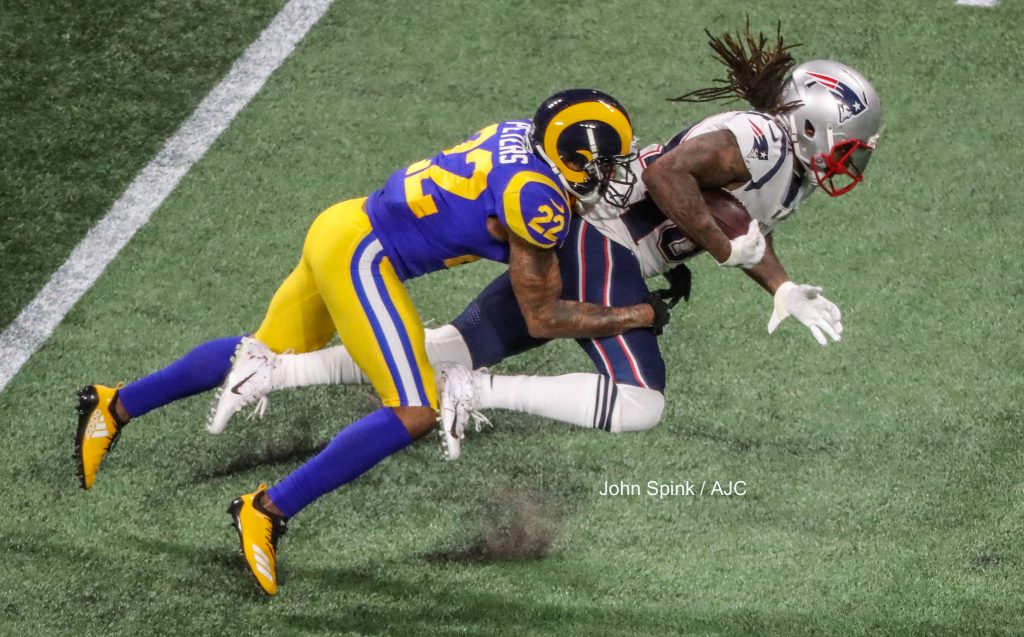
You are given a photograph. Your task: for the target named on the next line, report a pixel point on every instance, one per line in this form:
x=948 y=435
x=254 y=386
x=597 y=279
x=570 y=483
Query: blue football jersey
x=433 y=214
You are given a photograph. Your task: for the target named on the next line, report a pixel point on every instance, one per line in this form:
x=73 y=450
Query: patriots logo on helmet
x=760 y=149
x=850 y=104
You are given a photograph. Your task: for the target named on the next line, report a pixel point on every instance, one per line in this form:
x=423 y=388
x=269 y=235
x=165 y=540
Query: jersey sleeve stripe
x=512 y=202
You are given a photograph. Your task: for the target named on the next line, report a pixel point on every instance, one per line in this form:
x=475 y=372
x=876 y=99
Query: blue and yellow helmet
x=587 y=137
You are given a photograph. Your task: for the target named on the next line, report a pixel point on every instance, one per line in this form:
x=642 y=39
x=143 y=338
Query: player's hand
x=661 y=313
x=806 y=304
x=679 y=283
x=748 y=250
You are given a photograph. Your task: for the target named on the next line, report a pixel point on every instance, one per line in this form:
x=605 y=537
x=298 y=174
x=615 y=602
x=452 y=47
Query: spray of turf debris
x=514 y=525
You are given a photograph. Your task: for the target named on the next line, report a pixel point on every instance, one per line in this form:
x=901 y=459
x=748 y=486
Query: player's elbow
x=541 y=326
x=654 y=176
x=669 y=170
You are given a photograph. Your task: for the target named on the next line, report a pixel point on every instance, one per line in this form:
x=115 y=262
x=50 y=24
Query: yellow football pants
x=344 y=283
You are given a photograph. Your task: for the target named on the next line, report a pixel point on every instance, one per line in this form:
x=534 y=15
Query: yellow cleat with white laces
x=98 y=430
x=258 y=531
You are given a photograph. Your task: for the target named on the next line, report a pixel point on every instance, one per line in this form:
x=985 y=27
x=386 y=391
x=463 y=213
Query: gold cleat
x=98 y=430
x=258 y=531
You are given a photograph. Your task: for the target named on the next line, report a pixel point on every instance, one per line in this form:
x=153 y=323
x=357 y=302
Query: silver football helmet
x=835 y=128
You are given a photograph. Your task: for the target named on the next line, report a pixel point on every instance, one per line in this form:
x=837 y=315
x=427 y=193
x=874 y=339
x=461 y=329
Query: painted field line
x=36 y=322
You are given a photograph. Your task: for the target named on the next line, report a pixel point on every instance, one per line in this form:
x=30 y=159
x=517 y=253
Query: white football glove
x=748 y=250
x=806 y=304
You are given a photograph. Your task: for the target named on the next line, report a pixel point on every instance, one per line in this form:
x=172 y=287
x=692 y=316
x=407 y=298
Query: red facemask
x=841 y=172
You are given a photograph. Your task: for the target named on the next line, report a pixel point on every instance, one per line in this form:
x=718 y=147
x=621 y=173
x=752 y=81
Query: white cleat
x=248 y=382
x=458 y=403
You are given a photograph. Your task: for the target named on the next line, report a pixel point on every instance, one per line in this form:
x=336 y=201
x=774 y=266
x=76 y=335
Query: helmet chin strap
x=873 y=140
x=561 y=178
x=790 y=119
x=590 y=197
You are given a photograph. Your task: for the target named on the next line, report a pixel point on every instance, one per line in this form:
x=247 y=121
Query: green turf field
x=883 y=474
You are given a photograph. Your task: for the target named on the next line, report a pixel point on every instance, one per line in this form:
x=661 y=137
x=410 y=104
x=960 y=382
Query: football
x=730 y=215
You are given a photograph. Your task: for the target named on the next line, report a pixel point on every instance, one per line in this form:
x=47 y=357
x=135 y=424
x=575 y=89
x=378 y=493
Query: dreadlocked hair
x=756 y=73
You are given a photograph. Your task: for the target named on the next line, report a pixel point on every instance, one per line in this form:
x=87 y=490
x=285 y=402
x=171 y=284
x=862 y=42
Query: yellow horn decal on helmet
x=575 y=114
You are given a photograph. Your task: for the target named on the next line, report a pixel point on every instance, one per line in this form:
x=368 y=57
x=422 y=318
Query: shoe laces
x=260 y=408
x=113 y=440
x=278 y=524
x=278 y=527
x=479 y=420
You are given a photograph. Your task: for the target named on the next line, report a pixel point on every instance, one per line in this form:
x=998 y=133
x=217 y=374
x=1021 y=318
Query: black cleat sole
x=87 y=401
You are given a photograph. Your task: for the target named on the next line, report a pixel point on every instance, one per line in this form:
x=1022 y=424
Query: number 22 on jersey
x=423 y=204
x=547 y=223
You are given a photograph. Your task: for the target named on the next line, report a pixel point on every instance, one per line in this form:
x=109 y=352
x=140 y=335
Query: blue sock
x=203 y=368
x=353 y=452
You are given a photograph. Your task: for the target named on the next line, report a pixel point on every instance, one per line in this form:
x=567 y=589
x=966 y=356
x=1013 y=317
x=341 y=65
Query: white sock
x=446 y=345
x=584 y=400
x=334 y=365
x=330 y=366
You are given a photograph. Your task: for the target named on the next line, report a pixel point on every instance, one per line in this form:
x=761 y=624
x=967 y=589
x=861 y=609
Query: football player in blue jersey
x=505 y=194
x=812 y=127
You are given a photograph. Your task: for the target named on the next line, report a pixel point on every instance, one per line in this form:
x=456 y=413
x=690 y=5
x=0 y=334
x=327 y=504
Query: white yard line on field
x=154 y=183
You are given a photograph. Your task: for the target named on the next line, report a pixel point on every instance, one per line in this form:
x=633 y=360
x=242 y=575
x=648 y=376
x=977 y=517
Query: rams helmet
x=835 y=127
x=587 y=138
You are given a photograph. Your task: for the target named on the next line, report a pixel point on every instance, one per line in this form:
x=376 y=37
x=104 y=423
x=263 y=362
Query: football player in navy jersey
x=812 y=127
x=505 y=194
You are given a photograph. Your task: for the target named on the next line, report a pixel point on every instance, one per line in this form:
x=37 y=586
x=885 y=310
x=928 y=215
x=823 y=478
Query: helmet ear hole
x=575 y=160
x=808 y=128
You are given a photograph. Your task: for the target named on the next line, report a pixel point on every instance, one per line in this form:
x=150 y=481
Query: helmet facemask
x=842 y=168
x=597 y=172
x=609 y=178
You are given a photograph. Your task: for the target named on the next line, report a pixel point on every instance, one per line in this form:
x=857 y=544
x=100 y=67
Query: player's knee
x=637 y=408
x=418 y=421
